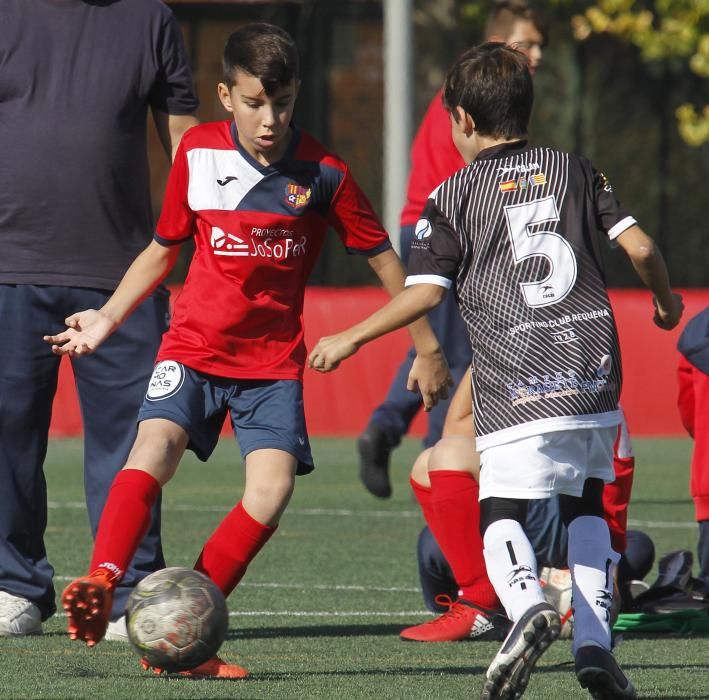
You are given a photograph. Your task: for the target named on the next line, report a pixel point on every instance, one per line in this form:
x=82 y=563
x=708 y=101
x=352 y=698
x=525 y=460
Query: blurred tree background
x=623 y=82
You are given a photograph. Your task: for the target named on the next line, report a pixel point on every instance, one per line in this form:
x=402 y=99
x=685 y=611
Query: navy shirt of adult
x=76 y=80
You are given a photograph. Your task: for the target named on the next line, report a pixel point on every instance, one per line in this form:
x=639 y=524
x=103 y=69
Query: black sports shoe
x=508 y=674
x=374 y=453
x=598 y=671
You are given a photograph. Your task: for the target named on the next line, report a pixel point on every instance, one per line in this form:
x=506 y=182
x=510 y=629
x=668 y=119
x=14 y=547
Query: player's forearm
x=652 y=270
x=140 y=280
x=170 y=128
x=391 y=273
x=648 y=263
x=403 y=310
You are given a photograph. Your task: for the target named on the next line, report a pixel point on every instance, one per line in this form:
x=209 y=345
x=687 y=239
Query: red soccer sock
x=124 y=521
x=616 y=496
x=455 y=524
x=229 y=551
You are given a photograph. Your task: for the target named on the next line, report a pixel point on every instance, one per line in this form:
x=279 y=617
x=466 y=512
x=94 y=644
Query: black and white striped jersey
x=516 y=233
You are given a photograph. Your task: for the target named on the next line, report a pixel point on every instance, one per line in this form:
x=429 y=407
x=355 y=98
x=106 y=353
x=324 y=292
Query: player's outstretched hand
x=430 y=375
x=86 y=330
x=667 y=319
x=330 y=351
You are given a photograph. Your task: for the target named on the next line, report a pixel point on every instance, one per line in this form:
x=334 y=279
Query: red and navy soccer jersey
x=257 y=231
x=515 y=232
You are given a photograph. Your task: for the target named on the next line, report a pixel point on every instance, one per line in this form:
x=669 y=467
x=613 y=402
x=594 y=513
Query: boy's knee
x=455 y=453
x=158 y=448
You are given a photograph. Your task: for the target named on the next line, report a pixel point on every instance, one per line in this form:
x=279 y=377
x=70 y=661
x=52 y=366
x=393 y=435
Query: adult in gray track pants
x=77 y=81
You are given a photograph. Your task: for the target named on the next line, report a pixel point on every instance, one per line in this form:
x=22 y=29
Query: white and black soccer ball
x=177 y=618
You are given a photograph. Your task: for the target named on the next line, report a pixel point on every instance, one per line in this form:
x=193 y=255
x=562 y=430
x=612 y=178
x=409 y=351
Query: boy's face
x=262 y=120
x=527 y=39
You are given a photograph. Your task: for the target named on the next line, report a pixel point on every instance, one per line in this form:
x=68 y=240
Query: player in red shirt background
x=693 y=404
x=257 y=195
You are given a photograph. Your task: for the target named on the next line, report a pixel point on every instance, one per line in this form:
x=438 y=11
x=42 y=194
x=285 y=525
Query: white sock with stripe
x=512 y=567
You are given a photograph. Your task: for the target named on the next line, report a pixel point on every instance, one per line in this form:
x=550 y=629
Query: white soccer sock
x=592 y=563
x=512 y=567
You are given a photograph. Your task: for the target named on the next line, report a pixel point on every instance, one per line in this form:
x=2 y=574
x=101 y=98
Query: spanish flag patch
x=508 y=186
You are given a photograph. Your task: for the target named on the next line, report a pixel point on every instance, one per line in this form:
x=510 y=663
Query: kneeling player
x=450 y=551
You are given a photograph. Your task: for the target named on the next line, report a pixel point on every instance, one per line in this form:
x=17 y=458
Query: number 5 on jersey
x=528 y=243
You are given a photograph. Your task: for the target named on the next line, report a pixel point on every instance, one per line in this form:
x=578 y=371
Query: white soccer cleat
x=18 y=616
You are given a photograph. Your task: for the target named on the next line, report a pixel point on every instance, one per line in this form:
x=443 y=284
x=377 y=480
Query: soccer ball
x=177 y=618
x=556 y=584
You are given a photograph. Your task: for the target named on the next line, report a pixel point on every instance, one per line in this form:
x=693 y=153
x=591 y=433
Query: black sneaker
x=374 y=453
x=598 y=672
x=508 y=674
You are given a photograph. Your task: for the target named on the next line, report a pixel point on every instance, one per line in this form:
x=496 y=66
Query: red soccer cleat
x=463 y=620
x=213 y=668
x=88 y=602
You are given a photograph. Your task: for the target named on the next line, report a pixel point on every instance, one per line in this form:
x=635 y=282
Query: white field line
x=309 y=587
x=344 y=512
x=316 y=613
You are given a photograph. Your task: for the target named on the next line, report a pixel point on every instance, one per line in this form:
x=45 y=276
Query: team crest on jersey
x=297 y=196
x=423 y=229
x=168 y=376
x=607 y=187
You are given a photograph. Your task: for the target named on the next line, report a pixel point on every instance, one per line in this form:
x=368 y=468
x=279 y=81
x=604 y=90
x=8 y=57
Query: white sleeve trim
x=428 y=279
x=621 y=226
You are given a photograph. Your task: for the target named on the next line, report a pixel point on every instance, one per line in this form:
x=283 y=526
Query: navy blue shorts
x=265 y=414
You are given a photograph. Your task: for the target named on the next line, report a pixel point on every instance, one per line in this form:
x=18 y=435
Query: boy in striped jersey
x=515 y=232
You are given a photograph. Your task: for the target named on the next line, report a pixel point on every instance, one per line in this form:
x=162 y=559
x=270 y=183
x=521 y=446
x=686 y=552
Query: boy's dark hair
x=264 y=51
x=506 y=13
x=492 y=83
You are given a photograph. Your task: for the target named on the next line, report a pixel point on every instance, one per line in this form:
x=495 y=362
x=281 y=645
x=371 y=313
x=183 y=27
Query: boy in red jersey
x=516 y=234
x=257 y=195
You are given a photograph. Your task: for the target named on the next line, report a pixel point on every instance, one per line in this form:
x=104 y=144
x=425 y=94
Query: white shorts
x=548 y=464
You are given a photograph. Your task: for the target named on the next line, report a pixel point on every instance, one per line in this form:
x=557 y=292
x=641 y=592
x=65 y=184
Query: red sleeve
x=176 y=221
x=699 y=480
x=685 y=400
x=355 y=221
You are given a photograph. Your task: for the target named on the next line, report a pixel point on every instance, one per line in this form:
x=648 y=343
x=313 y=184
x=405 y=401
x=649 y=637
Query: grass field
x=318 y=614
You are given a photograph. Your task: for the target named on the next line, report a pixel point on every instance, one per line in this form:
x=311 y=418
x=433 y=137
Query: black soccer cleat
x=598 y=672
x=374 y=452
x=508 y=674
